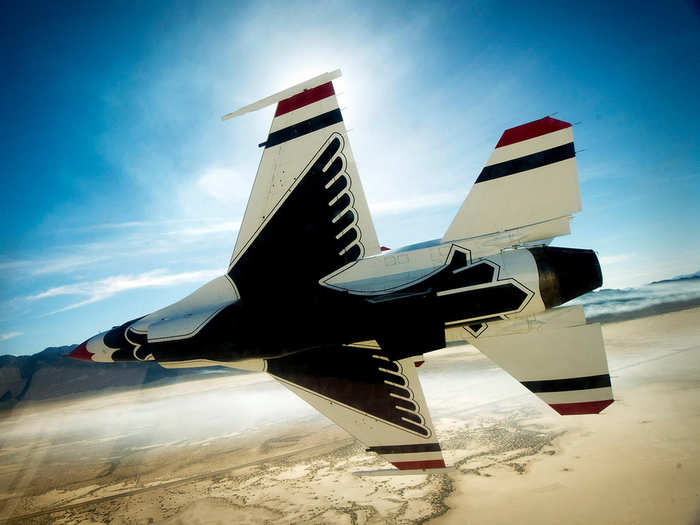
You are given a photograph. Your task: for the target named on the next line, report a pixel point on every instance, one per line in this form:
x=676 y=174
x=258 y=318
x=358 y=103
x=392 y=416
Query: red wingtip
x=385 y=249
x=587 y=407
x=81 y=353
x=421 y=464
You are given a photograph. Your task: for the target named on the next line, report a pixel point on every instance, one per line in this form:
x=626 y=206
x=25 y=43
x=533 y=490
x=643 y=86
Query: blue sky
x=122 y=190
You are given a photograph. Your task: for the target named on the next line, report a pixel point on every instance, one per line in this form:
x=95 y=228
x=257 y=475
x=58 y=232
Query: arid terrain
x=242 y=449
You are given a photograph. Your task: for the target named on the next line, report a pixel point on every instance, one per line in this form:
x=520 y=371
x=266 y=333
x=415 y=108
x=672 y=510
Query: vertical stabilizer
x=307 y=176
x=530 y=179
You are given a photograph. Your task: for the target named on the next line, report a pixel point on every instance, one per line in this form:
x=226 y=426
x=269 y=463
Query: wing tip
x=580 y=408
x=405 y=472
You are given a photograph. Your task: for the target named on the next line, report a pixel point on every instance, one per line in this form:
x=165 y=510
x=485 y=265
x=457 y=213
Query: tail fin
x=530 y=179
x=307 y=214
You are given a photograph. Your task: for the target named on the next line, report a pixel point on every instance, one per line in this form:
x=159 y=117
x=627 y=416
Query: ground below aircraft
x=311 y=298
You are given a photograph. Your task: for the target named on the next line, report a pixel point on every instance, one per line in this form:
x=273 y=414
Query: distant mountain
x=688 y=277
x=47 y=375
x=612 y=304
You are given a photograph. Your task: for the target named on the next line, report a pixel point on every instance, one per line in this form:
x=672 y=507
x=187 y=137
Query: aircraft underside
x=310 y=298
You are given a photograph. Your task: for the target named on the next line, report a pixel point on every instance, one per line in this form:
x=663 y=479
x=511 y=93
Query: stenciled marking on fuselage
x=457 y=257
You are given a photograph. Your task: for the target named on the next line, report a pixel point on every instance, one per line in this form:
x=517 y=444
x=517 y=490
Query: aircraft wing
x=377 y=400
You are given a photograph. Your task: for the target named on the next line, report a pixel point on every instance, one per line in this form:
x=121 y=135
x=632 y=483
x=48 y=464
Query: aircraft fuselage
x=408 y=308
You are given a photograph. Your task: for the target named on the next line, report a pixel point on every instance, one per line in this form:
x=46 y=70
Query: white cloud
x=214 y=227
x=105 y=288
x=9 y=335
x=139 y=224
x=57 y=264
x=614 y=259
x=415 y=203
x=112 y=248
x=222 y=184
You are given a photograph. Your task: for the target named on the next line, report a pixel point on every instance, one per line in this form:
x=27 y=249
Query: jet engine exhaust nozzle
x=566 y=273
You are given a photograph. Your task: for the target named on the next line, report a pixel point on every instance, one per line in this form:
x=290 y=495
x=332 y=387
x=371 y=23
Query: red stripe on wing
x=413 y=465
x=305 y=98
x=531 y=130
x=586 y=407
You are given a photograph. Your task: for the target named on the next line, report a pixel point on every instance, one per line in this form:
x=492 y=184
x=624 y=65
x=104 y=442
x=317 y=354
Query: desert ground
x=244 y=450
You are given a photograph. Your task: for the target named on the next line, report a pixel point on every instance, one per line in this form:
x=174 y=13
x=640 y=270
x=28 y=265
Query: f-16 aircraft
x=311 y=298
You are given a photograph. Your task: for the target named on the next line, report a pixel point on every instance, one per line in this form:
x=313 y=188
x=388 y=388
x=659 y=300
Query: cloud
x=57 y=264
x=172 y=237
x=222 y=184
x=214 y=227
x=416 y=203
x=614 y=259
x=9 y=335
x=139 y=224
x=104 y=288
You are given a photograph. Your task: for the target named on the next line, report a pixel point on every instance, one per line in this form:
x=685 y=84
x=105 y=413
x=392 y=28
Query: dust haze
x=243 y=449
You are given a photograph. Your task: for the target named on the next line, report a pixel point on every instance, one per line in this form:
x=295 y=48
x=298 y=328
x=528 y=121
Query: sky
x=122 y=190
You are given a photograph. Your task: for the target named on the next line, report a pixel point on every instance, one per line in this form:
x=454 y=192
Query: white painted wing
x=188 y=316
x=377 y=400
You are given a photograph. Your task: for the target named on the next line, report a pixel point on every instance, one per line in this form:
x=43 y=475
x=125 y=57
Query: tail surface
x=529 y=182
x=307 y=214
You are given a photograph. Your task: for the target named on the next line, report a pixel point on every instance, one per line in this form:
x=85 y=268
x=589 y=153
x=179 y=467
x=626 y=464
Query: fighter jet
x=311 y=298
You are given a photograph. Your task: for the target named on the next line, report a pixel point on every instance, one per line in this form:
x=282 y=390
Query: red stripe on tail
x=305 y=98
x=413 y=465
x=587 y=407
x=531 y=130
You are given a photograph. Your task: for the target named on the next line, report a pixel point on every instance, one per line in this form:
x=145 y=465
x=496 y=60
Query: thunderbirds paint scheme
x=310 y=297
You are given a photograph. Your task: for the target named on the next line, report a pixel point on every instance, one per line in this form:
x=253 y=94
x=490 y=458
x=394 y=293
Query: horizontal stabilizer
x=554 y=354
x=529 y=179
x=565 y=367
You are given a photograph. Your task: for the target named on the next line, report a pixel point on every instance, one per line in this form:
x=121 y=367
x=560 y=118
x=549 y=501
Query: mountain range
x=47 y=375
